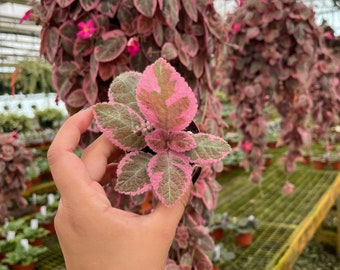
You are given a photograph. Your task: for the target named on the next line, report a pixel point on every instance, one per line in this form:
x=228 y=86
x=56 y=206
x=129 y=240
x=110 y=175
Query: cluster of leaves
x=32 y=77
x=14 y=122
x=49 y=117
x=273 y=53
x=153 y=110
x=14 y=158
x=85 y=63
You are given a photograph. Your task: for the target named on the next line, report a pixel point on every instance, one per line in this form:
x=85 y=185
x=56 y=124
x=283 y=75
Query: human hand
x=92 y=234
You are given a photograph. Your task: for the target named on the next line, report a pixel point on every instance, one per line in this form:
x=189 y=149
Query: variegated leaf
x=123 y=89
x=132 y=175
x=118 y=122
x=165 y=98
x=209 y=149
x=170 y=175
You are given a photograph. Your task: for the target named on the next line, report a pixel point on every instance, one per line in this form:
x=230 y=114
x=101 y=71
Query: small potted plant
x=24 y=256
x=244 y=229
x=3 y=267
x=6 y=246
x=46 y=218
x=49 y=117
x=319 y=161
x=33 y=233
x=220 y=256
x=218 y=226
x=334 y=160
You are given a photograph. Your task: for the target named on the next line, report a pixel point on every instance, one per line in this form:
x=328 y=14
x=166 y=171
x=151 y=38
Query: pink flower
x=26 y=16
x=329 y=35
x=86 y=29
x=132 y=46
x=235 y=28
x=246 y=146
x=240 y=3
x=288 y=188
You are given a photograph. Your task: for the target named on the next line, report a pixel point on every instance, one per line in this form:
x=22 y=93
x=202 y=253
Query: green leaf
x=118 y=122
x=123 y=89
x=132 y=176
x=170 y=175
x=209 y=149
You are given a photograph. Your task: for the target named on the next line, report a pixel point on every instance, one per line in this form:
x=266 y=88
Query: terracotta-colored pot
x=216 y=267
x=336 y=165
x=217 y=234
x=306 y=160
x=23 y=267
x=319 y=165
x=267 y=161
x=244 y=239
x=271 y=145
x=37 y=242
x=49 y=227
x=36 y=180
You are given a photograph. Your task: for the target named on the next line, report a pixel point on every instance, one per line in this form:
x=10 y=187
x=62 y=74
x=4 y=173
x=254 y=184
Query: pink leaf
x=132 y=176
x=113 y=44
x=146 y=7
x=108 y=7
x=181 y=141
x=190 y=7
x=83 y=47
x=158 y=33
x=89 y=4
x=118 y=122
x=209 y=149
x=164 y=97
x=123 y=89
x=157 y=140
x=170 y=176
x=106 y=70
x=169 y=51
x=90 y=89
x=170 y=11
x=76 y=99
x=52 y=42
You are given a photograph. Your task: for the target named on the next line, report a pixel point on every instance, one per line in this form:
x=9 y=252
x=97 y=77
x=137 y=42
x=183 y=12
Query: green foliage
x=14 y=122
x=49 y=117
x=22 y=256
x=33 y=77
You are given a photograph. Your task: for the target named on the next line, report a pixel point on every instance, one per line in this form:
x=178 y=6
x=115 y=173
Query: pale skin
x=93 y=234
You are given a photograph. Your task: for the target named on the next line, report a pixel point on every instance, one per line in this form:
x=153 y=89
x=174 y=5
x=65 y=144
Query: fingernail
x=195 y=174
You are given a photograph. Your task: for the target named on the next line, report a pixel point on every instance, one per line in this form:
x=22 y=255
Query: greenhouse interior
x=207 y=131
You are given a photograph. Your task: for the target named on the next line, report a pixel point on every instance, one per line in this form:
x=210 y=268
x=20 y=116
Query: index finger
x=68 y=171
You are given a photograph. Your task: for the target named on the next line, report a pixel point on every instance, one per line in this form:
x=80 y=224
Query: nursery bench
x=287 y=222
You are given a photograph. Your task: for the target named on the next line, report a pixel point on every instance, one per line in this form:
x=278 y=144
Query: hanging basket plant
x=272 y=56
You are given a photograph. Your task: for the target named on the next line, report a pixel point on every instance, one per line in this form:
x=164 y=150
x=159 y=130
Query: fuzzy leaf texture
x=118 y=122
x=123 y=89
x=132 y=175
x=170 y=175
x=164 y=97
x=209 y=149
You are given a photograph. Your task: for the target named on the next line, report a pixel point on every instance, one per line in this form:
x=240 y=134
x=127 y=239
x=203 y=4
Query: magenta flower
x=240 y=3
x=329 y=35
x=26 y=16
x=86 y=29
x=235 y=28
x=288 y=188
x=246 y=146
x=132 y=46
